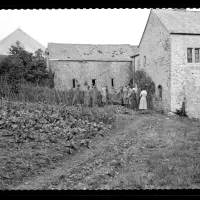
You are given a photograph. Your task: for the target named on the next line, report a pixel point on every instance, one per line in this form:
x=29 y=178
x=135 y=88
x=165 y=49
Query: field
x=66 y=147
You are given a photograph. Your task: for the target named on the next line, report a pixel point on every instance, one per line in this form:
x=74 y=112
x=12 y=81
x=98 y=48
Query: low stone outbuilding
x=109 y=65
x=170 y=54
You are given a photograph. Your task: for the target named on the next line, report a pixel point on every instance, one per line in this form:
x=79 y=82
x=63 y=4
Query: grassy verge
x=176 y=163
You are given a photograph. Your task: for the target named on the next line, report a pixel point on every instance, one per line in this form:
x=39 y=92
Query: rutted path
x=116 y=161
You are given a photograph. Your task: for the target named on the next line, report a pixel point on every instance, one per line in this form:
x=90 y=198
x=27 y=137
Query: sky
x=78 y=26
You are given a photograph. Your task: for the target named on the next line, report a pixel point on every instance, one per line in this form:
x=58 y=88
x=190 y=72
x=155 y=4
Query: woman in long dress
x=143 y=100
x=95 y=95
x=125 y=96
x=87 y=97
x=104 y=96
x=120 y=96
x=77 y=98
x=133 y=99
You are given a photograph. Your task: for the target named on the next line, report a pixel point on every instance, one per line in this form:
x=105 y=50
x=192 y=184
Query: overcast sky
x=78 y=26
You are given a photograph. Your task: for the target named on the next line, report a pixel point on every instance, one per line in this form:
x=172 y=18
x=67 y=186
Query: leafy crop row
x=34 y=135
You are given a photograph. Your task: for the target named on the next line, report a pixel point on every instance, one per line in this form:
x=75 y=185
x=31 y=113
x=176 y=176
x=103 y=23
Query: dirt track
x=145 y=151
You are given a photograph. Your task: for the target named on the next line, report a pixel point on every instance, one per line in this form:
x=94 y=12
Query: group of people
x=90 y=98
x=127 y=96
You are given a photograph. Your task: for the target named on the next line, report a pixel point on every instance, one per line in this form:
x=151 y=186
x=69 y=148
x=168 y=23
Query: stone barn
x=109 y=65
x=170 y=54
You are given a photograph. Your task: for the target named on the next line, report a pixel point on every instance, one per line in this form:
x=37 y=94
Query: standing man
x=121 y=95
x=77 y=98
x=129 y=95
x=125 y=95
x=87 y=97
x=133 y=99
x=94 y=96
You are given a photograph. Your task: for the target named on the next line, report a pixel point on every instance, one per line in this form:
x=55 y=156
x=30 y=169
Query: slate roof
x=80 y=52
x=179 y=21
x=26 y=41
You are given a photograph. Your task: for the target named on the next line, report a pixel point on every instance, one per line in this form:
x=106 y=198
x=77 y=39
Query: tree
x=21 y=65
x=143 y=80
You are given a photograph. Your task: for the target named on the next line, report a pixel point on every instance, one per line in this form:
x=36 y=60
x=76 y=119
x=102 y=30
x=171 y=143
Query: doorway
x=93 y=82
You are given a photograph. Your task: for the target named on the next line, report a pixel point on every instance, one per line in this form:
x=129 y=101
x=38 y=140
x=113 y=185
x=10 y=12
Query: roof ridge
x=173 y=9
x=179 y=22
x=89 y=44
x=30 y=37
x=7 y=36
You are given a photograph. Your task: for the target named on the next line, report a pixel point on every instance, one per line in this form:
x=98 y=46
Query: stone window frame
x=198 y=55
x=193 y=55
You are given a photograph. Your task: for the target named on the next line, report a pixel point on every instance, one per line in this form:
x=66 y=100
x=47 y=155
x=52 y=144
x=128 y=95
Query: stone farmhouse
x=92 y=64
x=169 y=51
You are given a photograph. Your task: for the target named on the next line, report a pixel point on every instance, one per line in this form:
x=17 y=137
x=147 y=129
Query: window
x=74 y=83
x=189 y=55
x=112 y=82
x=160 y=92
x=93 y=82
x=196 y=55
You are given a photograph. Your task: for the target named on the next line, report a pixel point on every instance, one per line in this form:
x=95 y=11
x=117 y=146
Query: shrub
x=143 y=80
x=22 y=66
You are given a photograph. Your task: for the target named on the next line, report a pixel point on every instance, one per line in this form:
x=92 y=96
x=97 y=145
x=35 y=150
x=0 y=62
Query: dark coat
x=77 y=97
x=133 y=100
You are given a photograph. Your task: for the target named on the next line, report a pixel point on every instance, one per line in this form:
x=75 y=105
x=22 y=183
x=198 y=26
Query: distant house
x=170 y=54
x=92 y=64
x=25 y=40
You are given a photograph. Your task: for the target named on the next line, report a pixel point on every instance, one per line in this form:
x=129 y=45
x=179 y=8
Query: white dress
x=104 y=94
x=143 y=100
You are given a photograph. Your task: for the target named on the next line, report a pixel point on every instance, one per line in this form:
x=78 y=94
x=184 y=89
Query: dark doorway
x=93 y=82
x=160 y=92
x=74 y=83
x=112 y=82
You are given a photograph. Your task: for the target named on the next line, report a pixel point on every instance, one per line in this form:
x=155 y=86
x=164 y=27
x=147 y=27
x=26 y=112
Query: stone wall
x=192 y=91
x=103 y=72
x=180 y=70
x=156 y=46
x=137 y=62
